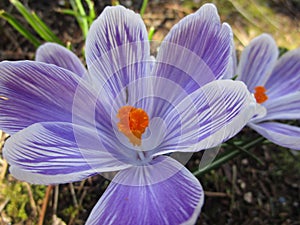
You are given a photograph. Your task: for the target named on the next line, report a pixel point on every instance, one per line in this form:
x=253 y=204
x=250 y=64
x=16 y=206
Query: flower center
x=133 y=123
x=260 y=94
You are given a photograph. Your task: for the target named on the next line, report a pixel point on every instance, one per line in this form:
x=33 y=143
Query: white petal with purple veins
x=208 y=117
x=257 y=61
x=32 y=92
x=116 y=48
x=282 y=134
x=232 y=66
x=49 y=153
x=281 y=108
x=196 y=51
x=163 y=193
x=285 y=77
x=60 y=56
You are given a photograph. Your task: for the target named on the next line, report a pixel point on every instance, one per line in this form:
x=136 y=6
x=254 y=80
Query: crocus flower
x=275 y=84
x=128 y=113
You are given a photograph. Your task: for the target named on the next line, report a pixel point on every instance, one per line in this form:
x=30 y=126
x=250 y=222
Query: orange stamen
x=260 y=94
x=133 y=123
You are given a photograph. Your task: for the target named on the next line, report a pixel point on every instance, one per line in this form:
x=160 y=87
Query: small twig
x=81 y=186
x=31 y=199
x=82 y=196
x=234 y=177
x=215 y=194
x=2 y=206
x=55 y=201
x=4 y=169
x=73 y=195
x=44 y=206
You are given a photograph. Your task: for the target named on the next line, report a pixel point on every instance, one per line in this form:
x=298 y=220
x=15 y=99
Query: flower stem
x=225 y=157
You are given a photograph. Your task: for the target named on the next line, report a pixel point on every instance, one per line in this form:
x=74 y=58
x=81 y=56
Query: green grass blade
x=36 y=23
x=22 y=30
x=92 y=13
x=67 y=12
x=143 y=8
x=115 y=2
x=244 y=150
x=151 y=33
x=80 y=16
x=225 y=157
x=83 y=17
x=44 y=28
x=70 y=12
x=228 y=155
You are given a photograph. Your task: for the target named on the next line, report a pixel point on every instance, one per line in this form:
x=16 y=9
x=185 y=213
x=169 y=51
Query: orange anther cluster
x=260 y=94
x=133 y=123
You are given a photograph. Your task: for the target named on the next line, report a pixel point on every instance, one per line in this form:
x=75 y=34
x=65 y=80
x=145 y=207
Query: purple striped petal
x=207 y=117
x=60 y=56
x=281 y=134
x=196 y=51
x=232 y=65
x=257 y=61
x=47 y=153
x=32 y=92
x=116 y=47
x=136 y=196
x=282 y=108
x=285 y=77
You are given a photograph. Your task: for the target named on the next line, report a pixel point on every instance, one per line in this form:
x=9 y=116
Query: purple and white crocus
x=127 y=113
x=276 y=86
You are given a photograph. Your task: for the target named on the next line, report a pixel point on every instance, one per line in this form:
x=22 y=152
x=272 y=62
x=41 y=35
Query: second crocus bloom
x=275 y=84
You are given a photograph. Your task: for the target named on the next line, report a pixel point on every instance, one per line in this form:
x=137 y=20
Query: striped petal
x=32 y=92
x=285 y=77
x=257 y=61
x=196 y=51
x=162 y=193
x=47 y=153
x=281 y=134
x=116 y=47
x=283 y=108
x=232 y=66
x=60 y=56
x=207 y=117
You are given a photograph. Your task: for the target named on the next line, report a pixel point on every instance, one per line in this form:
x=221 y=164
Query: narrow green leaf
x=92 y=13
x=83 y=17
x=80 y=7
x=70 y=12
x=228 y=155
x=151 y=33
x=143 y=8
x=22 y=30
x=225 y=157
x=36 y=23
x=80 y=16
x=244 y=150
x=45 y=28
x=67 y=12
x=115 y=2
